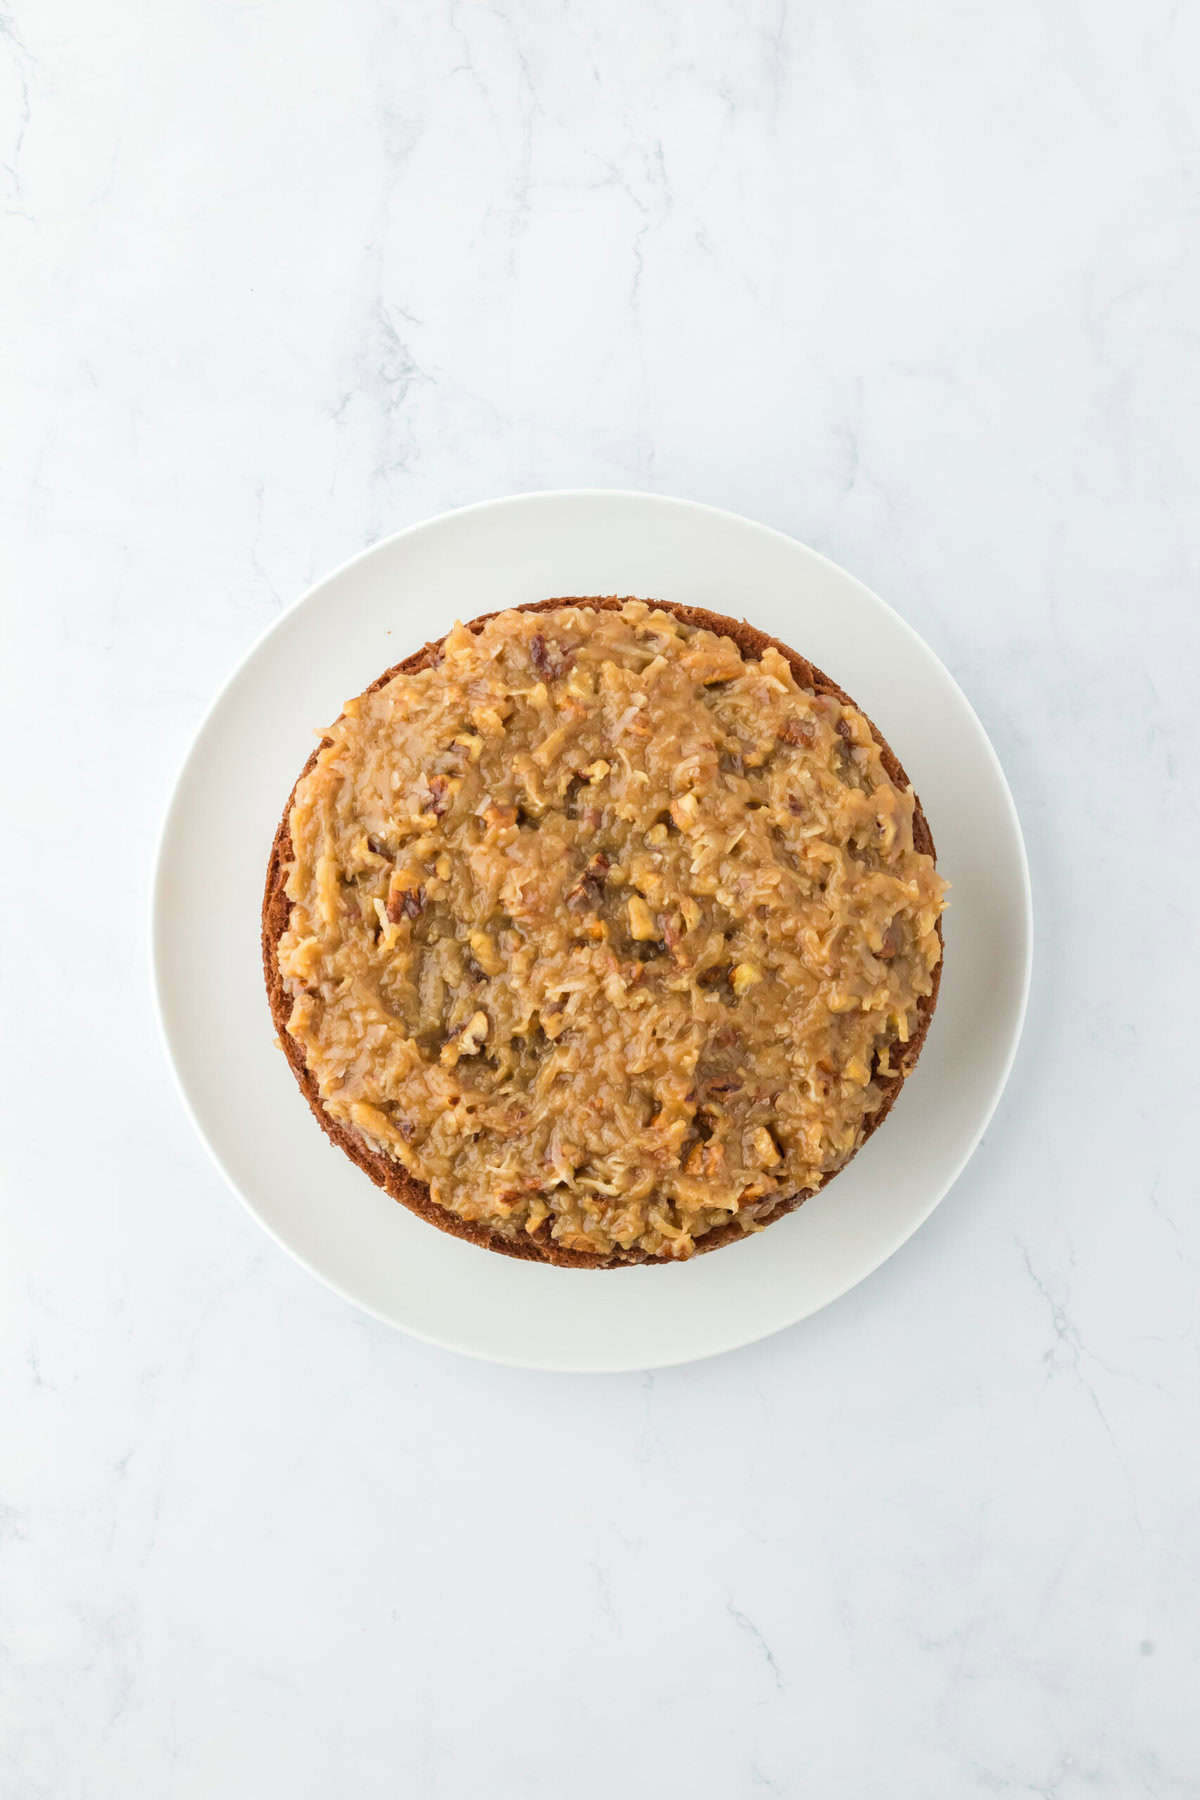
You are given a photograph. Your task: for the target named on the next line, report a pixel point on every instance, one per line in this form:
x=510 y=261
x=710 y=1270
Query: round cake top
x=603 y=928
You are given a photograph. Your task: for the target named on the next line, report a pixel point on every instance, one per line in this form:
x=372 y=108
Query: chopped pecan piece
x=705 y=1158
x=586 y=890
x=797 y=731
x=891 y=942
x=406 y=895
x=483 y=948
x=765 y=1150
x=641 y=921
x=743 y=978
x=550 y=660
x=465 y=1040
x=721 y=662
x=499 y=818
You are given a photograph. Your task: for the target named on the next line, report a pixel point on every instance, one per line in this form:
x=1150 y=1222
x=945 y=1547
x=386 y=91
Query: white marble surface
x=920 y=285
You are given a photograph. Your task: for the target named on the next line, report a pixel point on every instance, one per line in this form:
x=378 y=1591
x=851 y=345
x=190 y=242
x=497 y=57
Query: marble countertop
x=920 y=286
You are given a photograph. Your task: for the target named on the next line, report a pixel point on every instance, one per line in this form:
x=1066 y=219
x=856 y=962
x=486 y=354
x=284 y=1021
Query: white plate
x=208 y=893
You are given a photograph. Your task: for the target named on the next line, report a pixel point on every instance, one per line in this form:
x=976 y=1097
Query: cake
x=602 y=931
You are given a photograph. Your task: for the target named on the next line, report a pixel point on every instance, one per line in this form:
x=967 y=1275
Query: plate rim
x=158 y=929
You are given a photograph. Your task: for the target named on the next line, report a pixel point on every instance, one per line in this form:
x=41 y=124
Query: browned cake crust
x=389 y=1175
